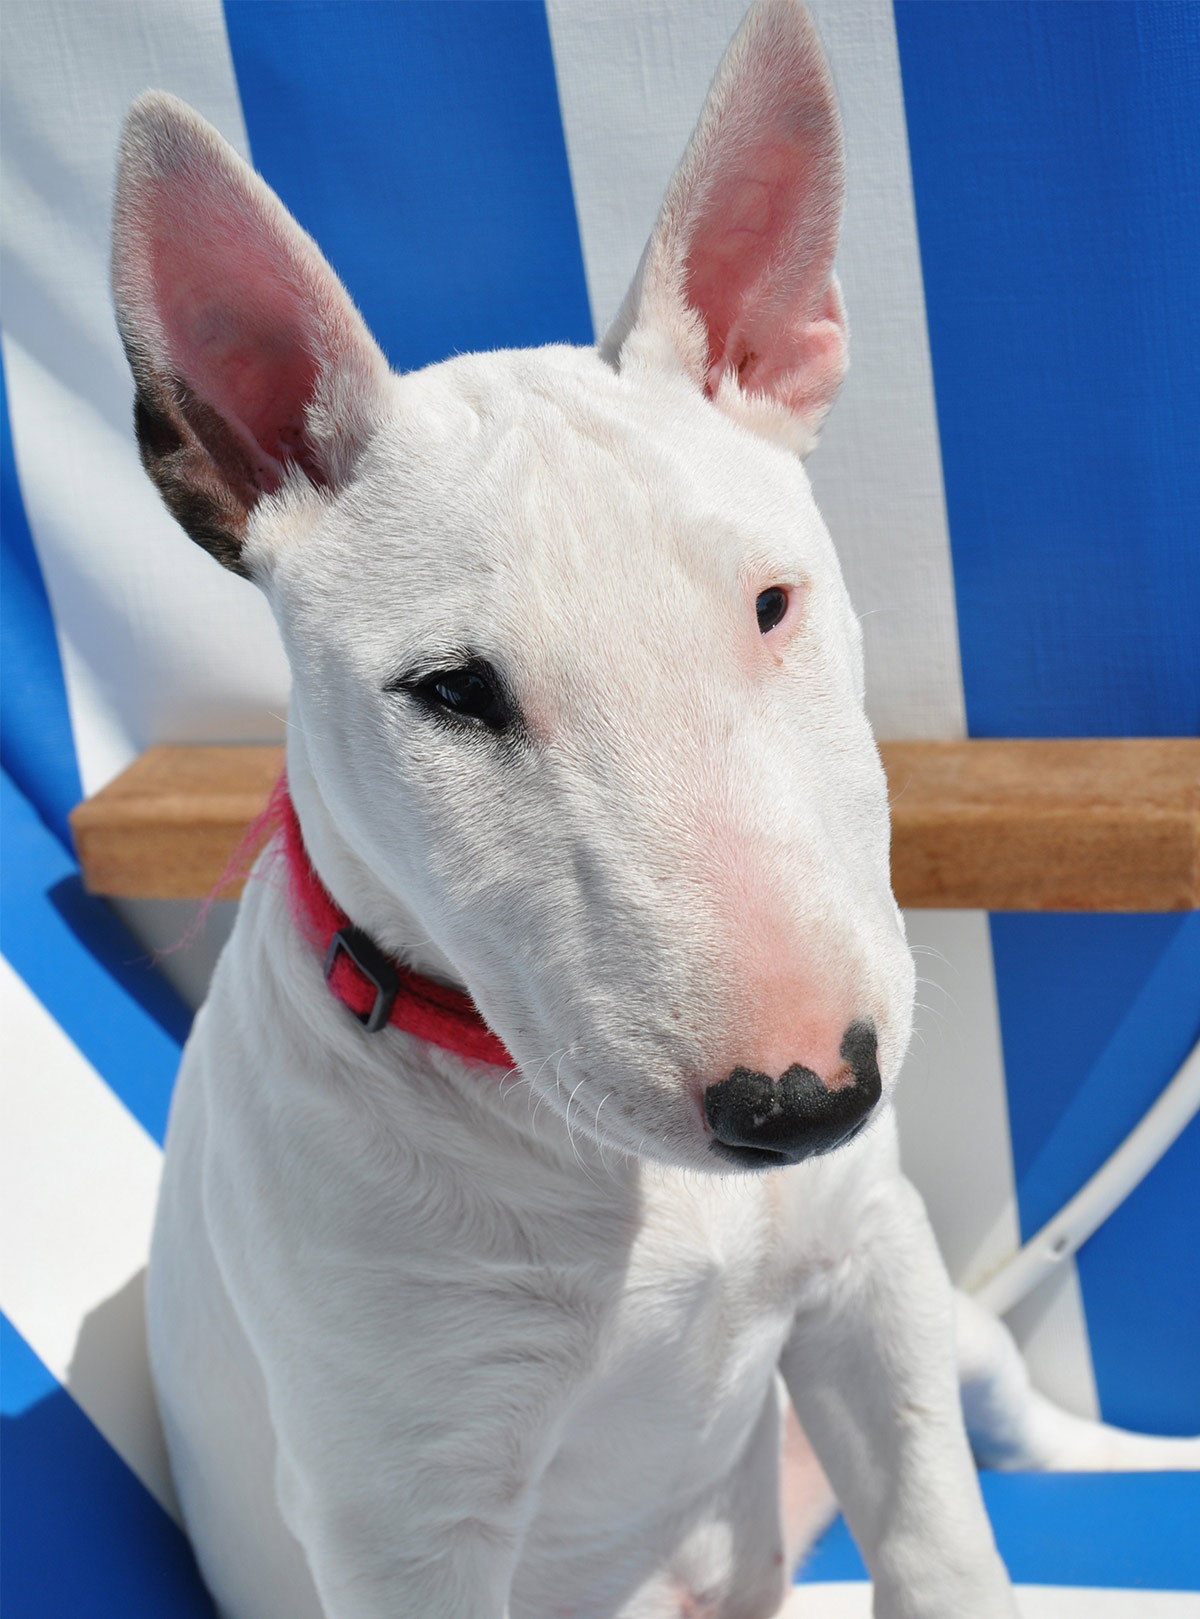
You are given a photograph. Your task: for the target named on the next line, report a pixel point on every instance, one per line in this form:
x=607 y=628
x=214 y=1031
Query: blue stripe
x=36 y=746
x=421 y=144
x=1056 y=169
x=87 y=971
x=1131 y=1531
x=81 y=1536
x=1130 y=1027
x=1079 y=1079
x=1145 y=1356
x=1056 y=165
x=23 y=1379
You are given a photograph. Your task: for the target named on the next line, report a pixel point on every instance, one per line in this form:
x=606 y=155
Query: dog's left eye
x=770 y=607
x=470 y=693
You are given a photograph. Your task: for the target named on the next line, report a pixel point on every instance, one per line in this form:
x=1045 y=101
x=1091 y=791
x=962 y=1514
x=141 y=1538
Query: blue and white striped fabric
x=1013 y=481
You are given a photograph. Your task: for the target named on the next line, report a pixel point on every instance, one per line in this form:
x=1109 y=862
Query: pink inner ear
x=760 y=225
x=759 y=270
x=239 y=335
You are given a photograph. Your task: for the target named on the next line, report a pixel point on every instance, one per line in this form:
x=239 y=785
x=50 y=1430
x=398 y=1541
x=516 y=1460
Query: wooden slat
x=1081 y=825
x=1092 y=825
x=167 y=827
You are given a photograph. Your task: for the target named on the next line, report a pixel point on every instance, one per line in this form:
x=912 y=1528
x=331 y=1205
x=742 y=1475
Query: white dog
x=577 y=724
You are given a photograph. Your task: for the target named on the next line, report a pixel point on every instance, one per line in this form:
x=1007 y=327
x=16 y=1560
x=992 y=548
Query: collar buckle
x=374 y=966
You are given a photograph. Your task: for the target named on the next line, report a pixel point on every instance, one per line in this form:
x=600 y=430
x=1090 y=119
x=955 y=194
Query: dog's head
x=577 y=713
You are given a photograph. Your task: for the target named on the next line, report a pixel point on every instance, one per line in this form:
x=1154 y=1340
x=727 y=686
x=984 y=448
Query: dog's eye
x=470 y=693
x=770 y=607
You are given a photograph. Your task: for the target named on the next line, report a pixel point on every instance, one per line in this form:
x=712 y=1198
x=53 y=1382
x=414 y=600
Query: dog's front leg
x=417 y=1397
x=416 y=1510
x=870 y=1366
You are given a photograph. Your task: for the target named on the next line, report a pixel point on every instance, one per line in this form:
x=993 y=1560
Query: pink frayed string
x=265 y=826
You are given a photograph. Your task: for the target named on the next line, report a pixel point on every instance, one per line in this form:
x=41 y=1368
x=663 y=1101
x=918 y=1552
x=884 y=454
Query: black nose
x=764 y=1123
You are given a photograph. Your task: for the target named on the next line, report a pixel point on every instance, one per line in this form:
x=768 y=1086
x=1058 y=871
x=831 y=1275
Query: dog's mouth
x=759 y=1158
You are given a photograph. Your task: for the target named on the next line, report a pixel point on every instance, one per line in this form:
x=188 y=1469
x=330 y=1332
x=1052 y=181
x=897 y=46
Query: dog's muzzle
x=763 y=1123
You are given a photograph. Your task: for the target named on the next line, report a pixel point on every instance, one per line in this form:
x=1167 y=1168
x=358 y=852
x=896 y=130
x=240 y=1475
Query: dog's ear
x=252 y=365
x=736 y=285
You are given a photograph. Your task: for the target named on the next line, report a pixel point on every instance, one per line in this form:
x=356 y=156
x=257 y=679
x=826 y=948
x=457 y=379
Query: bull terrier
x=532 y=1166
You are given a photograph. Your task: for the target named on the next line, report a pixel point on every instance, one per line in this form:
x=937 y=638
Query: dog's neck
x=384 y=915
x=381 y=991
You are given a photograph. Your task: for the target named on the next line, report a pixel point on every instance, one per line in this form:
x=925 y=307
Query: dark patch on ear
x=203 y=471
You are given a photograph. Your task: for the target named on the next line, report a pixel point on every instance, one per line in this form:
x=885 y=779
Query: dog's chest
x=686 y=1358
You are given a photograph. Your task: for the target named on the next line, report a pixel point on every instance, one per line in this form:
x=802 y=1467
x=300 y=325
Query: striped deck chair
x=1012 y=478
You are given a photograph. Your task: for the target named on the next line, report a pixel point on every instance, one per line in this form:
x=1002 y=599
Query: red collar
x=380 y=991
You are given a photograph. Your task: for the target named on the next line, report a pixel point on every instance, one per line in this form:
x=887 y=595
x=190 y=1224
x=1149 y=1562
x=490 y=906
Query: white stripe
x=952 y=1104
x=890 y=524
x=632 y=76
x=78 y=1183
x=952 y=1108
x=164 y=928
x=158 y=644
x=852 y=1600
x=1050 y=1326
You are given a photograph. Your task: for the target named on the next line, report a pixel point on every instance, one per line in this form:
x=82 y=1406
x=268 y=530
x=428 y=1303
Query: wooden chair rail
x=1077 y=825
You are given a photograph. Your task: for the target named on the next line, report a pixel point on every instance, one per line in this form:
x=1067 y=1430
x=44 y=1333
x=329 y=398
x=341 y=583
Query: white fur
x=437 y=1342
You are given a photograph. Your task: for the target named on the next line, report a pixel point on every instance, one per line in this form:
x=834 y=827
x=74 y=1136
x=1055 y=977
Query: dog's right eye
x=472 y=694
x=771 y=606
